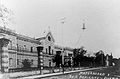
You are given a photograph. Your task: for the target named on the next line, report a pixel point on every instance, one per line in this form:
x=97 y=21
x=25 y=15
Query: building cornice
x=28 y=39
x=19 y=36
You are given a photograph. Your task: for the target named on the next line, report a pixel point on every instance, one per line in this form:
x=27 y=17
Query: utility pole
x=62 y=22
x=83 y=28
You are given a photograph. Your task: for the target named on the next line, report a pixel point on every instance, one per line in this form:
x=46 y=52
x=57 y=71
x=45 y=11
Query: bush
x=26 y=64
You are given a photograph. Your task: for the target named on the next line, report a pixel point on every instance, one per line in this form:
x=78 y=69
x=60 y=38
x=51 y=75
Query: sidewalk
x=30 y=73
x=56 y=74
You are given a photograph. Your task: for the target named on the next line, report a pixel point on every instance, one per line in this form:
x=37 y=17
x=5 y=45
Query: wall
x=20 y=49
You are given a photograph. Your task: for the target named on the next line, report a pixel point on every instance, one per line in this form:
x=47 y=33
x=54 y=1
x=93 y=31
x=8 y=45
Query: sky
x=101 y=18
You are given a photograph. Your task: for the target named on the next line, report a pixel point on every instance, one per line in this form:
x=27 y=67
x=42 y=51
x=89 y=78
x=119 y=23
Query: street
x=104 y=73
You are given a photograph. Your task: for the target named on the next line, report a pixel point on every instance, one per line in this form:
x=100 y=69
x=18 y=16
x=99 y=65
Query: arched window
x=49 y=63
x=17 y=47
x=49 y=38
x=24 y=47
x=31 y=49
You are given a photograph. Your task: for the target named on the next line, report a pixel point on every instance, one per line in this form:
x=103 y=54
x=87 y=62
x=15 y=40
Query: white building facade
x=17 y=49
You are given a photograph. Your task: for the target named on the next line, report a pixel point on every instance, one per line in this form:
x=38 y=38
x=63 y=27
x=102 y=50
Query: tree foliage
x=80 y=59
x=6 y=16
x=26 y=64
x=78 y=56
x=57 y=59
x=100 y=58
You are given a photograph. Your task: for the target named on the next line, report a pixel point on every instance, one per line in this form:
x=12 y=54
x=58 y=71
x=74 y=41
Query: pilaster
x=4 y=56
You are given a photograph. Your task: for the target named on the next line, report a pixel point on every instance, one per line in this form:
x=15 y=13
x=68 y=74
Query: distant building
x=68 y=54
x=67 y=50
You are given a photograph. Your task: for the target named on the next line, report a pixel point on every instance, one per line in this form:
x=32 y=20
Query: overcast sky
x=101 y=17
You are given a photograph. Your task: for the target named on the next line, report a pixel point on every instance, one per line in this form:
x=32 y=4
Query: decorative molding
x=20 y=37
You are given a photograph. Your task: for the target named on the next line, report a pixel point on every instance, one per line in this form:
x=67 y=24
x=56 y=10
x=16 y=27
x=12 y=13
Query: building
x=67 y=54
x=50 y=49
x=67 y=50
x=15 y=48
x=20 y=47
x=47 y=41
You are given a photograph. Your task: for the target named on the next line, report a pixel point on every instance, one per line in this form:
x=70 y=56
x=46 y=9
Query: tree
x=6 y=16
x=78 y=56
x=57 y=59
x=100 y=58
x=26 y=64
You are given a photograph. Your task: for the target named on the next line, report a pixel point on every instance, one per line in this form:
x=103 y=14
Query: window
x=10 y=62
x=17 y=61
x=52 y=51
x=11 y=44
x=24 y=47
x=49 y=63
x=32 y=62
x=31 y=49
x=17 y=47
x=46 y=50
x=20 y=48
x=70 y=55
x=49 y=38
x=49 y=50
